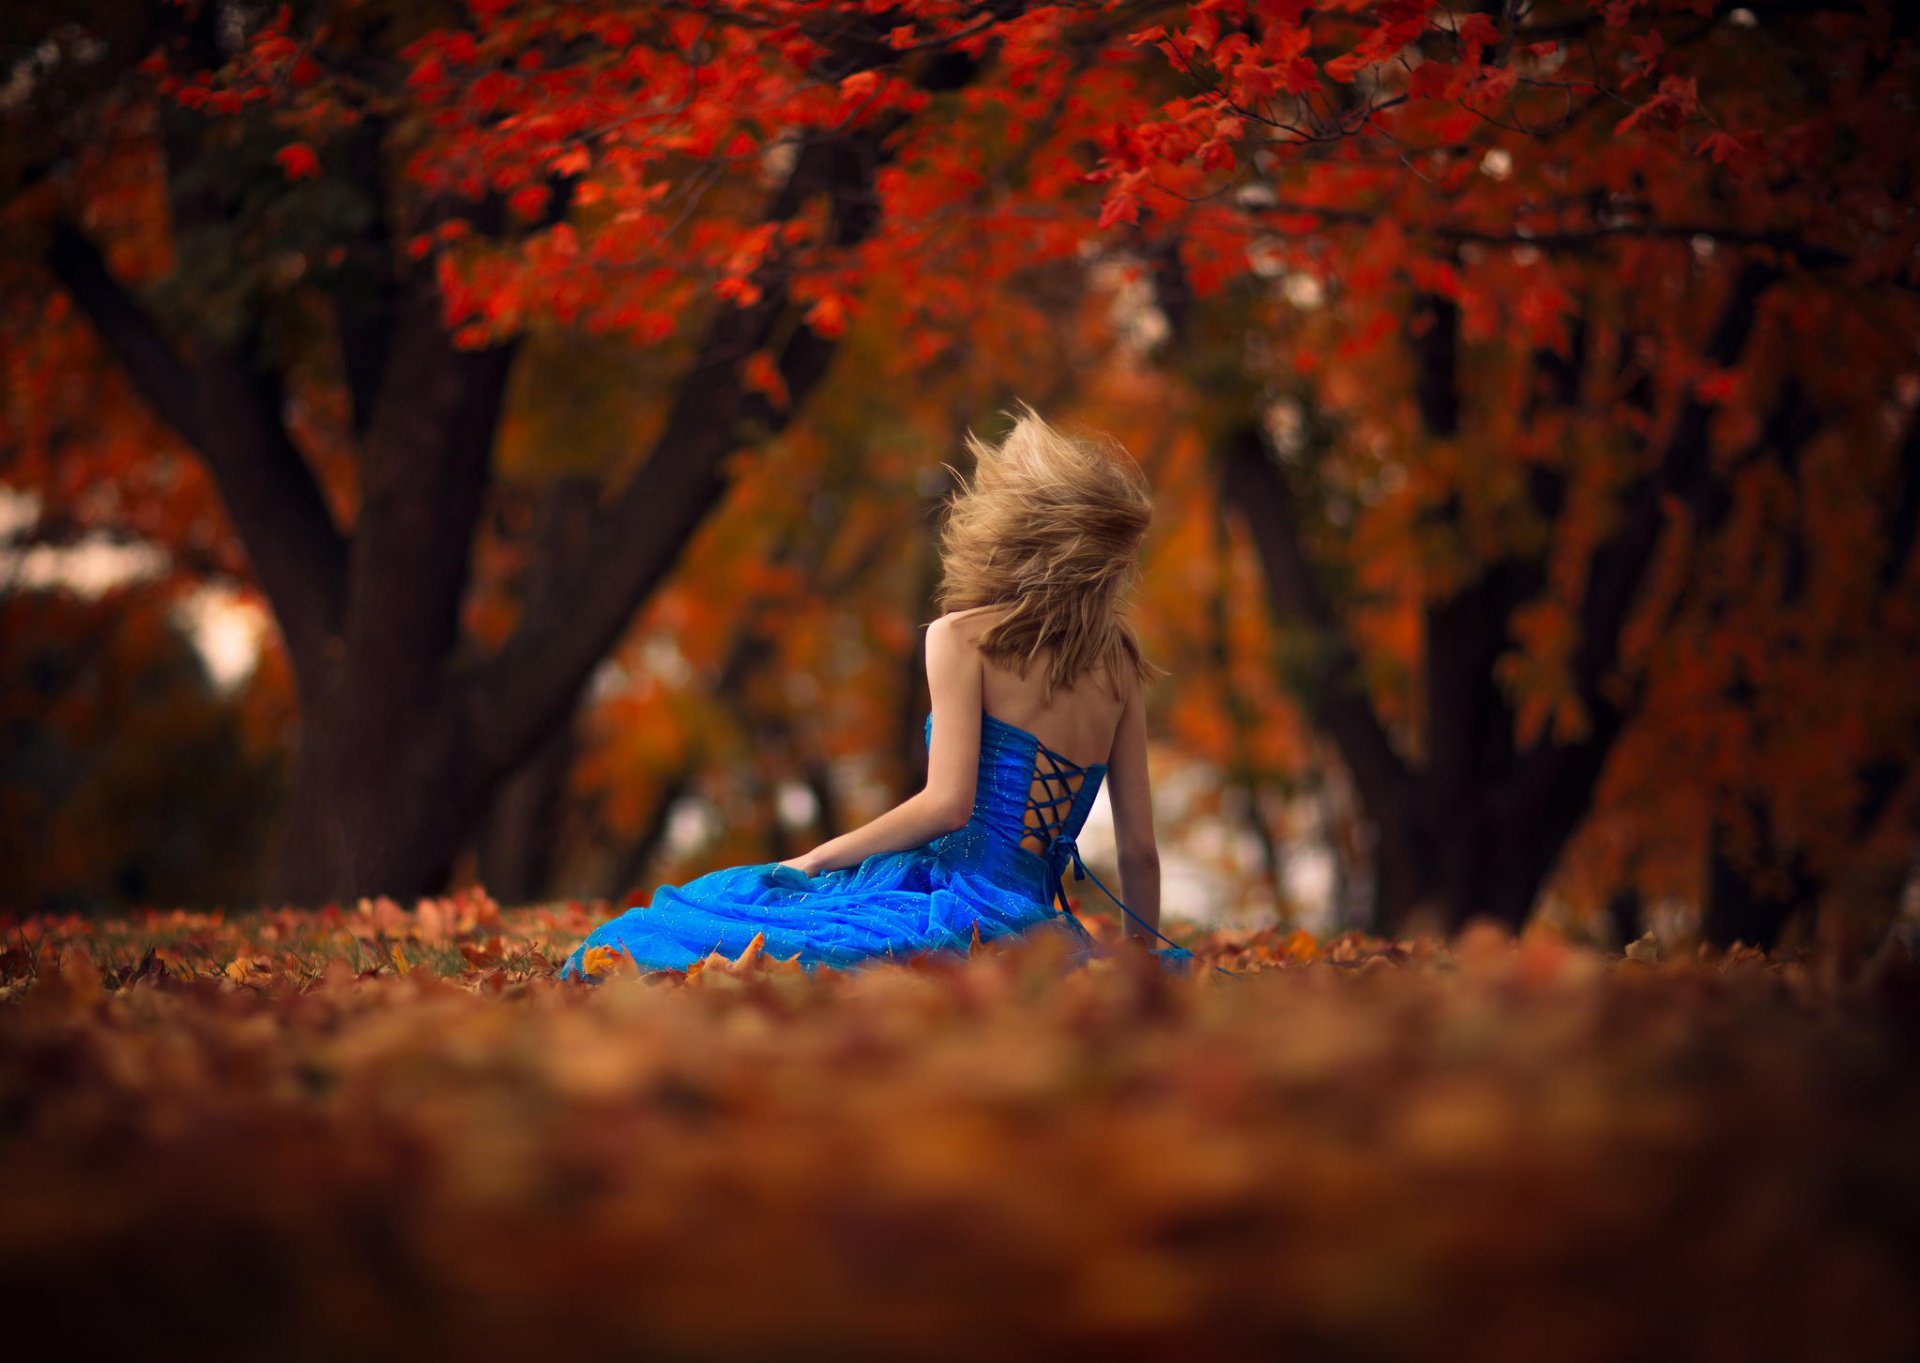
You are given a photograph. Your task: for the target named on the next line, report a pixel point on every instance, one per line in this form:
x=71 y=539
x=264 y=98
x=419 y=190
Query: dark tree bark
x=1626 y=912
x=519 y=847
x=519 y=843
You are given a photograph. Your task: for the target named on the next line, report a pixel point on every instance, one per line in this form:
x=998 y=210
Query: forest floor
x=388 y=1132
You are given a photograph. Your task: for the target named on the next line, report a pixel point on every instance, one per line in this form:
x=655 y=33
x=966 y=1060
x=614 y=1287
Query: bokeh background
x=498 y=444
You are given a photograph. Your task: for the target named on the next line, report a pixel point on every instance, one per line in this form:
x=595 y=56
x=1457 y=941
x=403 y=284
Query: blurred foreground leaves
x=388 y=1133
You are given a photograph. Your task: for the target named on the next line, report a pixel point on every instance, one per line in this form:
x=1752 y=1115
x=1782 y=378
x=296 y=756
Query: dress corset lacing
x=1067 y=783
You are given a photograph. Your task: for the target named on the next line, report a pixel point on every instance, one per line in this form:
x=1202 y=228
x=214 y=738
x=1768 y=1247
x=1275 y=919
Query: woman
x=1036 y=681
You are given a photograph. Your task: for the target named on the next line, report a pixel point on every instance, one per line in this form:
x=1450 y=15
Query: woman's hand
x=807 y=863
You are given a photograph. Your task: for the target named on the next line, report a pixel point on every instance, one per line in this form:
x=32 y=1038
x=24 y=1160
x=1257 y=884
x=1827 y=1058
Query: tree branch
x=427 y=462
x=1618 y=570
x=230 y=413
x=536 y=676
x=1253 y=488
x=507 y=702
x=127 y=330
x=366 y=298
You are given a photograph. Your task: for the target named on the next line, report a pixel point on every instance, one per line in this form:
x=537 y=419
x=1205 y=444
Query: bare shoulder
x=949 y=641
x=964 y=626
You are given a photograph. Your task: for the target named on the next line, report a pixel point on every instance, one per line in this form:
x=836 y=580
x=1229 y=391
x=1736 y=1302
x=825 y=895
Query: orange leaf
x=763 y=376
x=598 y=961
x=828 y=317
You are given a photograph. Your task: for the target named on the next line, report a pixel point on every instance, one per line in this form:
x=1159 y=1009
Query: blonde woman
x=1035 y=678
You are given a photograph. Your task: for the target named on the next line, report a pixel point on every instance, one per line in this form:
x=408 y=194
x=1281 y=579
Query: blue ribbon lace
x=1063 y=852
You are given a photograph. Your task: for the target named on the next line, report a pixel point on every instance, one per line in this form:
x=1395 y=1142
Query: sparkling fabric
x=893 y=904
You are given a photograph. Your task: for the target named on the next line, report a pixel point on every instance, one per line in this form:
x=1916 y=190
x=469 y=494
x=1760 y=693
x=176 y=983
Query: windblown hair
x=1050 y=529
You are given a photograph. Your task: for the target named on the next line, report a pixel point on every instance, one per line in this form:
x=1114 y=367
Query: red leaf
x=1343 y=68
x=298 y=161
x=1717 y=386
x=1120 y=207
x=1430 y=79
x=528 y=201
x=1738 y=152
x=1478 y=28
x=1299 y=75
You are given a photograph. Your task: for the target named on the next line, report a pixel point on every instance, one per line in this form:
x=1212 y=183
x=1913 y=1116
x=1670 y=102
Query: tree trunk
x=1753 y=896
x=365 y=820
x=519 y=846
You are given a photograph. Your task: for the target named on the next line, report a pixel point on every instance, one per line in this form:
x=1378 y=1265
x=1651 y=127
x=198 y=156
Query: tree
x=418 y=196
x=1518 y=267
x=1556 y=336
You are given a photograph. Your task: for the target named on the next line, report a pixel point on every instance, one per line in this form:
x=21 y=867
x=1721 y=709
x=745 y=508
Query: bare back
x=1079 y=722
x=1085 y=724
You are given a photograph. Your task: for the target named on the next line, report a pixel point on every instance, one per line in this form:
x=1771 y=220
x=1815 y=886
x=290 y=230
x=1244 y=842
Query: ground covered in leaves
x=388 y=1132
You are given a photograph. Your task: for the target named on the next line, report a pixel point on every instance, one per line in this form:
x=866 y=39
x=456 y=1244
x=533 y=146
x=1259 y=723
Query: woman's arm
x=953 y=764
x=1131 y=797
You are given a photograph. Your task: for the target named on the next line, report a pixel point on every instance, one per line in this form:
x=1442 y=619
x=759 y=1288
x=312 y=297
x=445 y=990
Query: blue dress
x=985 y=876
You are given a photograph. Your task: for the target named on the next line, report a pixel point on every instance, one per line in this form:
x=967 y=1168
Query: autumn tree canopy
x=1595 y=295
x=1512 y=334
x=351 y=218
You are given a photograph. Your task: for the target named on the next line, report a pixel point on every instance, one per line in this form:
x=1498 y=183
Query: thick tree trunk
x=369 y=819
x=383 y=790
x=519 y=846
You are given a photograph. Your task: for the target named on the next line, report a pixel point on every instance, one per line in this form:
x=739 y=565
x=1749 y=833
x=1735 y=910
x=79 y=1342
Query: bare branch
x=230 y=413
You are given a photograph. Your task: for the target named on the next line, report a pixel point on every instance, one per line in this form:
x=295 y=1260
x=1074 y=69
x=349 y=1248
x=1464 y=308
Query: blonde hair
x=1050 y=528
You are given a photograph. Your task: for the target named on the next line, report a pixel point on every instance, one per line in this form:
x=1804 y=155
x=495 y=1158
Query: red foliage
x=1614 y=160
